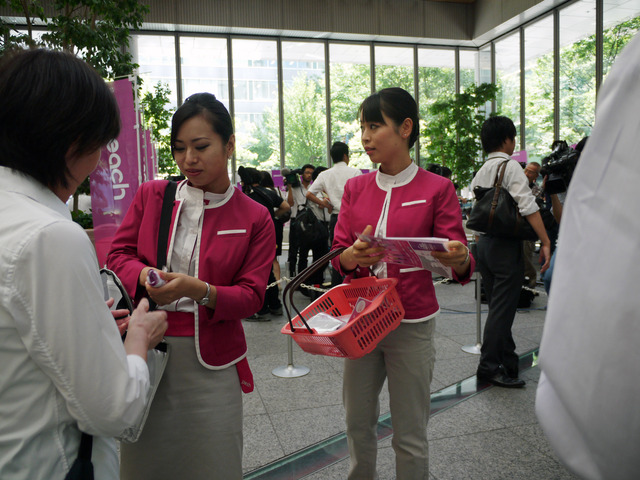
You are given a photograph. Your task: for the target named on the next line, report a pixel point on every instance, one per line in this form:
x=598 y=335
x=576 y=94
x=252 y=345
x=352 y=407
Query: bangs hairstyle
x=212 y=109
x=397 y=104
x=52 y=106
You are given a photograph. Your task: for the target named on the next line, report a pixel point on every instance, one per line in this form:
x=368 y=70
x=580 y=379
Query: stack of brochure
x=412 y=251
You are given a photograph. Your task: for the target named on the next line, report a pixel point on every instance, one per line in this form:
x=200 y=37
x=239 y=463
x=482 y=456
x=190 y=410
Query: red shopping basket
x=363 y=332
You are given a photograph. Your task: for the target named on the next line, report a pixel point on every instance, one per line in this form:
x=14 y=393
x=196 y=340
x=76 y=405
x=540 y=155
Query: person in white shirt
x=331 y=183
x=65 y=369
x=500 y=259
x=587 y=397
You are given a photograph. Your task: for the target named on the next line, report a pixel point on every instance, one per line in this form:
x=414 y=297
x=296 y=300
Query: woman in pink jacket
x=219 y=257
x=398 y=200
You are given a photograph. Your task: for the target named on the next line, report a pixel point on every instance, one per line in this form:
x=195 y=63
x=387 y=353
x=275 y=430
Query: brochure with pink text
x=412 y=251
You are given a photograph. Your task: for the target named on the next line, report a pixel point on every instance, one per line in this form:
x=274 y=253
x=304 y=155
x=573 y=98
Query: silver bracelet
x=466 y=258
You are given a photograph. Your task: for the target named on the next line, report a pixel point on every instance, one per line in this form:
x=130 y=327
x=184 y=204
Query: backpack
x=308 y=228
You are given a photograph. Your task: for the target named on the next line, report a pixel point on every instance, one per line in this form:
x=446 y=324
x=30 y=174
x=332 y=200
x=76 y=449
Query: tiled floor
x=294 y=427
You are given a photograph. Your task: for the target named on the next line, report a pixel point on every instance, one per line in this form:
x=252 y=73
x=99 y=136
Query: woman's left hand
x=178 y=286
x=457 y=257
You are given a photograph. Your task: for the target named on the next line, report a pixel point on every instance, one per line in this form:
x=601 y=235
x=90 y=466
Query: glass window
x=577 y=70
x=621 y=22
x=257 y=120
x=350 y=84
x=508 y=79
x=156 y=55
x=484 y=71
x=394 y=68
x=538 y=77
x=204 y=67
x=304 y=103
x=468 y=68
x=436 y=81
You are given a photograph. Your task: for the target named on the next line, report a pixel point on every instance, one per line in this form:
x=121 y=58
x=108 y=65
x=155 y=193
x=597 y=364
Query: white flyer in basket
x=412 y=251
x=325 y=323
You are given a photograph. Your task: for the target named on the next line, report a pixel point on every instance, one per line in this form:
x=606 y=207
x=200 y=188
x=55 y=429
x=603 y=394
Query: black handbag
x=496 y=212
x=308 y=227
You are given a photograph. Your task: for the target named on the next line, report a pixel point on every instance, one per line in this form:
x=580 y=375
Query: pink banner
x=277 y=178
x=117 y=177
x=520 y=156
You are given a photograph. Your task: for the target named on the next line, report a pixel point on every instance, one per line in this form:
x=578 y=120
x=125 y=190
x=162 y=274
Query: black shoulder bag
x=496 y=212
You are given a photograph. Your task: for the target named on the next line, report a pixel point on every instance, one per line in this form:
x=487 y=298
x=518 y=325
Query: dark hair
x=52 y=106
x=495 y=131
x=317 y=172
x=249 y=176
x=397 y=104
x=207 y=105
x=338 y=151
x=266 y=180
x=308 y=165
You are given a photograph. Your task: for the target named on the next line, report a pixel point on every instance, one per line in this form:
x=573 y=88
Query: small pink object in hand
x=154 y=279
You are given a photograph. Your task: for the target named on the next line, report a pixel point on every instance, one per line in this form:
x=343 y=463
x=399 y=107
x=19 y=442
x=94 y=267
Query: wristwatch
x=205 y=299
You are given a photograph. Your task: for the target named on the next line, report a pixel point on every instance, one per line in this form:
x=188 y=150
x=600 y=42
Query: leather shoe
x=502 y=380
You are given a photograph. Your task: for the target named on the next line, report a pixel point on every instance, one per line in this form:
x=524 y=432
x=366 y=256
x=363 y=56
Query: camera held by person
x=560 y=164
x=291 y=177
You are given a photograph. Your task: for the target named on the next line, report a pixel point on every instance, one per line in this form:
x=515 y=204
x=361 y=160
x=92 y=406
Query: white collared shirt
x=183 y=257
x=63 y=363
x=515 y=181
x=332 y=183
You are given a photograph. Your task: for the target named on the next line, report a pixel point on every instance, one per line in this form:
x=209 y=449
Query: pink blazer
x=235 y=255
x=425 y=207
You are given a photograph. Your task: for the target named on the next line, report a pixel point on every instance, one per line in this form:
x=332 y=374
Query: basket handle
x=292 y=286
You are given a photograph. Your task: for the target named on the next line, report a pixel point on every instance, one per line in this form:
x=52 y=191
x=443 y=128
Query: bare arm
x=324 y=203
x=536 y=222
x=282 y=209
x=556 y=207
x=289 y=195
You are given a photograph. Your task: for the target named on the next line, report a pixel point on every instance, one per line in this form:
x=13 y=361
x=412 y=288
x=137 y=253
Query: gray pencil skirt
x=194 y=428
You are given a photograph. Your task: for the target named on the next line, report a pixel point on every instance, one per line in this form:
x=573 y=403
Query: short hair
x=212 y=109
x=397 y=104
x=338 y=151
x=307 y=165
x=495 y=131
x=317 y=172
x=52 y=105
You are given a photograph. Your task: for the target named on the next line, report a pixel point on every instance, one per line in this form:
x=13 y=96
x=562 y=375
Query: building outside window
x=255 y=96
x=350 y=84
x=304 y=103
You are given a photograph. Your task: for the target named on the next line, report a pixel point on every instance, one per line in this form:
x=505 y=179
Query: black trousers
x=336 y=278
x=319 y=248
x=272 y=296
x=294 y=247
x=501 y=265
